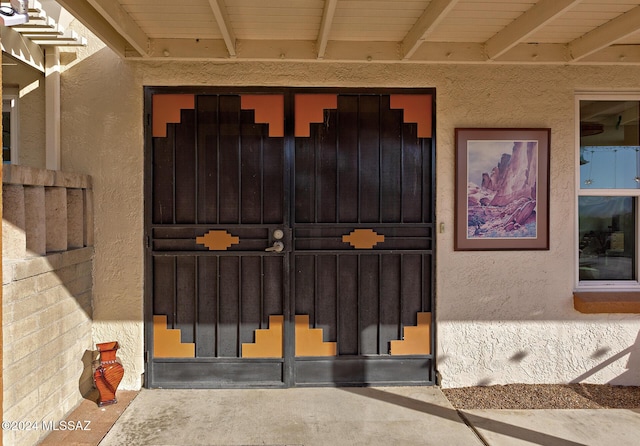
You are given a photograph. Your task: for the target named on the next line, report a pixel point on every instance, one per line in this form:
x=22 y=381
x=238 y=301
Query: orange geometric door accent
x=166 y=342
x=363 y=238
x=218 y=240
x=269 y=109
x=309 y=341
x=268 y=342
x=417 y=108
x=166 y=110
x=310 y=108
x=416 y=339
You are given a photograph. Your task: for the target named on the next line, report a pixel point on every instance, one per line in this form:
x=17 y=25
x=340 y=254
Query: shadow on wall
x=631 y=377
x=47 y=234
x=85 y=382
x=47 y=258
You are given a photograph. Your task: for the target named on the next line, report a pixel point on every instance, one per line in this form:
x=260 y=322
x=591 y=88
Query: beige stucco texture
x=502 y=316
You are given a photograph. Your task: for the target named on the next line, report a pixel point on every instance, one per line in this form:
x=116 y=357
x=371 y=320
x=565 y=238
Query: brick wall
x=47 y=286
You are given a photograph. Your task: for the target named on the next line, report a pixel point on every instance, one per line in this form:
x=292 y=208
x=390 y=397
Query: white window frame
x=602 y=285
x=10 y=97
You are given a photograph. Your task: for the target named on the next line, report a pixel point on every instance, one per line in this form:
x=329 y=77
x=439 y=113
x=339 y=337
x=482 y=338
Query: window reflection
x=6 y=137
x=607 y=238
x=610 y=167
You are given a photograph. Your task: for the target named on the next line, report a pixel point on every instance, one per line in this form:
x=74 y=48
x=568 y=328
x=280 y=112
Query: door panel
x=344 y=184
x=362 y=228
x=212 y=283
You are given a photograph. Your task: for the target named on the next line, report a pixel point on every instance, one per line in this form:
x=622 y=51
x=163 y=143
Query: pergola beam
x=222 y=18
x=98 y=25
x=122 y=22
x=21 y=48
x=430 y=18
x=325 y=26
x=52 y=108
x=605 y=35
x=532 y=20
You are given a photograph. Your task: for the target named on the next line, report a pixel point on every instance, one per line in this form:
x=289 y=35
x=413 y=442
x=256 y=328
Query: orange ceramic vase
x=108 y=373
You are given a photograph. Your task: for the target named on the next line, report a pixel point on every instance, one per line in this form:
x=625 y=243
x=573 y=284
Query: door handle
x=278 y=246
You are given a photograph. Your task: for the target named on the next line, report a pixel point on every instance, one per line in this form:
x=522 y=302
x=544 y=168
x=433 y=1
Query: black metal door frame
x=290 y=377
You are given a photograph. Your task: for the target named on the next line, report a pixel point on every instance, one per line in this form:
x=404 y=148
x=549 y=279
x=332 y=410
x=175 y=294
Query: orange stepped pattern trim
x=268 y=108
x=363 y=238
x=416 y=339
x=268 y=341
x=166 y=109
x=218 y=240
x=310 y=108
x=309 y=341
x=417 y=108
x=167 y=343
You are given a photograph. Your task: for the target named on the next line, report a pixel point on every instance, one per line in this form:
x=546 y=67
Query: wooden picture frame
x=502 y=189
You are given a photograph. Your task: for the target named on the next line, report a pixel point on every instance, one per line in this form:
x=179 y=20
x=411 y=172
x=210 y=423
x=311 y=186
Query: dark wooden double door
x=289 y=237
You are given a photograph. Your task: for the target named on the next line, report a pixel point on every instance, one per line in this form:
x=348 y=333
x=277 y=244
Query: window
x=609 y=175
x=9 y=128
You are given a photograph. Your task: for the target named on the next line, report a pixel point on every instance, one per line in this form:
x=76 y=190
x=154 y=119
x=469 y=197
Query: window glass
x=609 y=163
x=610 y=167
x=6 y=137
x=607 y=238
x=609 y=145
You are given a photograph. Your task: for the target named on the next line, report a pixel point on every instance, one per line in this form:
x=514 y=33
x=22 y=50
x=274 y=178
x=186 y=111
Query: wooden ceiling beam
x=605 y=35
x=325 y=26
x=224 y=23
x=98 y=25
x=122 y=22
x=536 y=17
x=428 y=21
x=379 y=52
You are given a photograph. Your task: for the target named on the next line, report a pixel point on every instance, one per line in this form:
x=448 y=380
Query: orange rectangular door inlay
x=416 y=339
x=268 y=108
x=268 y=341
x=417 y=108
x=167 y=343
x=309 y=341
x=166 y=109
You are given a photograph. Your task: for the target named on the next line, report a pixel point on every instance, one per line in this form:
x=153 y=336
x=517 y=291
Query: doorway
x=290 y=237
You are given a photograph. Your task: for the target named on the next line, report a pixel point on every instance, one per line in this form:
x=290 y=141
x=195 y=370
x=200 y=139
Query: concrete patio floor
x=337 y=416
x=300 y=416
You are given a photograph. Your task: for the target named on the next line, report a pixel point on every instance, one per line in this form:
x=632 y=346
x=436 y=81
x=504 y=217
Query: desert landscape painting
x=501 y=189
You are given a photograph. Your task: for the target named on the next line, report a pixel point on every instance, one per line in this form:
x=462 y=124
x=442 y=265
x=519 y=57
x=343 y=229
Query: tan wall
x=47 y=279
x=47 y=339
x=32 y=123
x=502 y=316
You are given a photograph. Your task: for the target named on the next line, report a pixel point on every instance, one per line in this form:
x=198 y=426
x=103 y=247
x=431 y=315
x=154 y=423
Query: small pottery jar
x=108 y=372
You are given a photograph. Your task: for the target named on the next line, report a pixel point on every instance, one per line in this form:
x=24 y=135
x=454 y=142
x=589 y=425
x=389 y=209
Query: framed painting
x=502 y=189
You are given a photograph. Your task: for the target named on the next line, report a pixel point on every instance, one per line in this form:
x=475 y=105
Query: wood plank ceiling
x=408 y=31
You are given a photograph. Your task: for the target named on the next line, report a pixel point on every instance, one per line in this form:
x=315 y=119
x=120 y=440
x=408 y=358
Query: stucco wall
x=501 y=316
x=32 y=123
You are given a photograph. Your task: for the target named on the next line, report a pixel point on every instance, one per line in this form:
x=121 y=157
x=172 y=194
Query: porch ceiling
x=418 y=31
